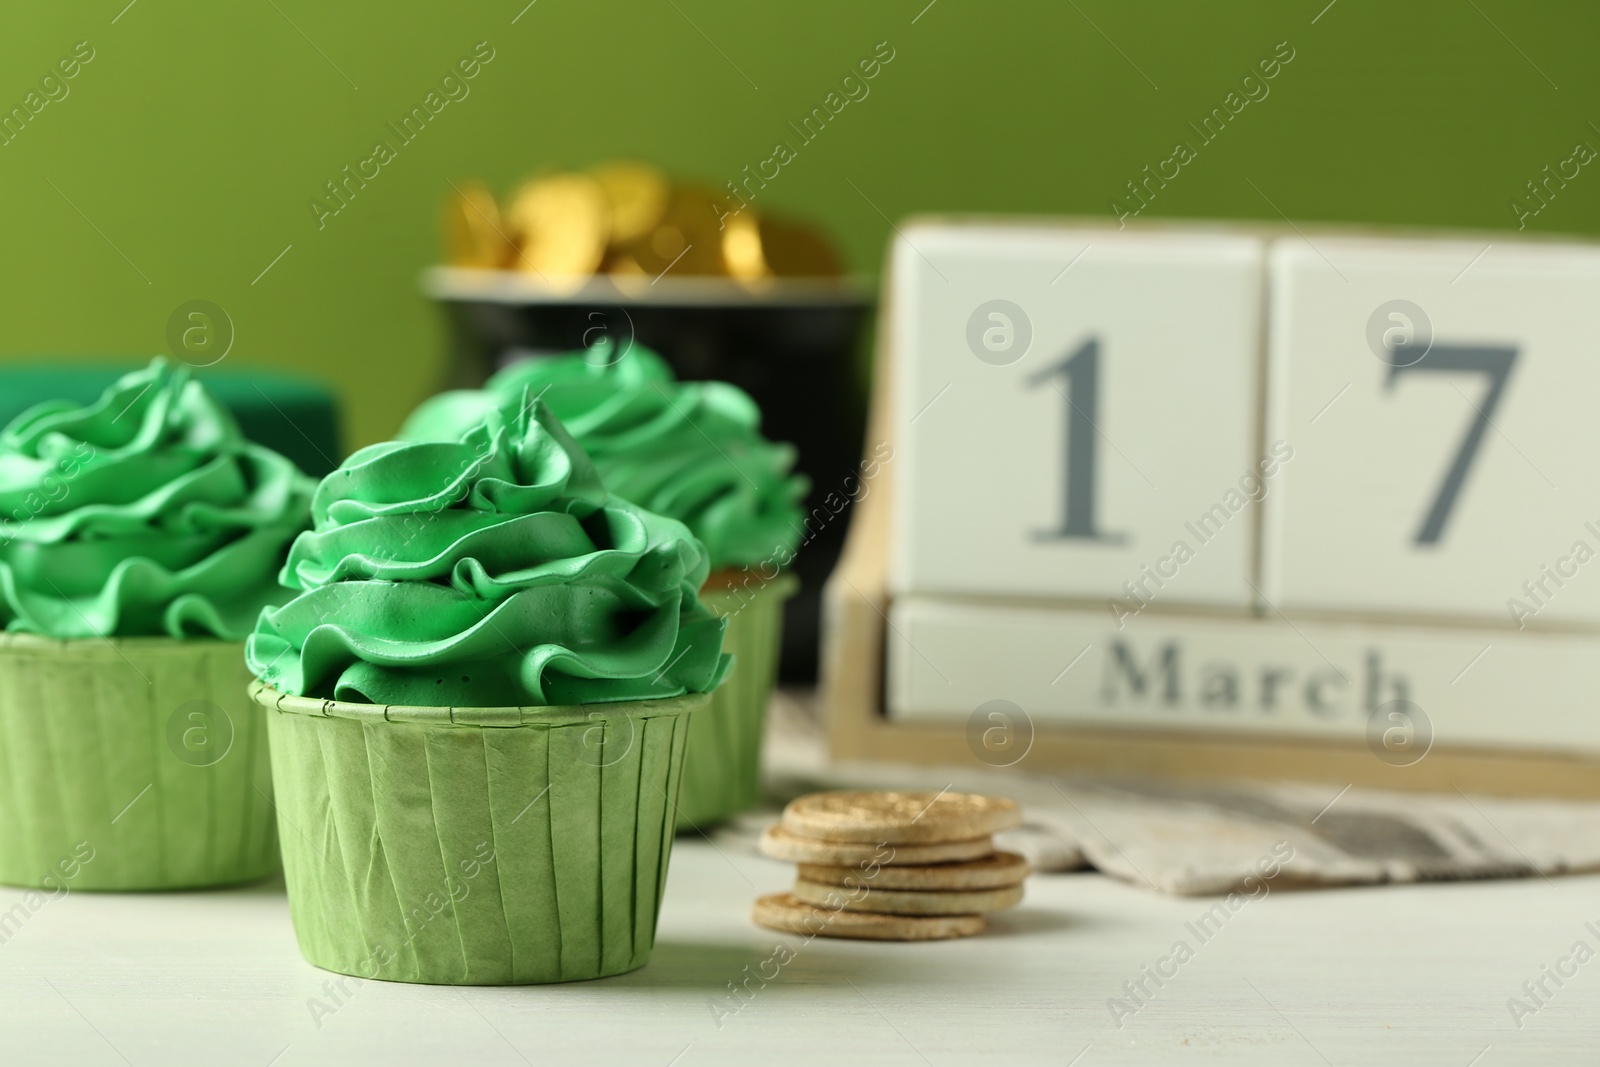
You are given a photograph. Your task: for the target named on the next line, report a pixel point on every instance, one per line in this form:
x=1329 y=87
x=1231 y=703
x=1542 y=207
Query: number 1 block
x=1440 y=399
x=1077 y=415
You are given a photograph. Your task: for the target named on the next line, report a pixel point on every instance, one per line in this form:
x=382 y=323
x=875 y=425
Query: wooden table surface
x=1395 y=975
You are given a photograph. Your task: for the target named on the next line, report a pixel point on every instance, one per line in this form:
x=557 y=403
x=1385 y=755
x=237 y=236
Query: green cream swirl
x=489 y=571
x=143 y=513
x=689 y=450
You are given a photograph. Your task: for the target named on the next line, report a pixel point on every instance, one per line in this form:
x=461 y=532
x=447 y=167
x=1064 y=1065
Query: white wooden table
x=1412 y=974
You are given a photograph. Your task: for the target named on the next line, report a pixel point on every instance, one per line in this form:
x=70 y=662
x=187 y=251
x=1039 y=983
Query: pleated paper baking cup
x=476 y=846
x=722 y=773
x=131 y=764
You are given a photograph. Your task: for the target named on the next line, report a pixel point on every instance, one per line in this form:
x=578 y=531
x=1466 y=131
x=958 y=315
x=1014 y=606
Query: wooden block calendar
x=1210 y=500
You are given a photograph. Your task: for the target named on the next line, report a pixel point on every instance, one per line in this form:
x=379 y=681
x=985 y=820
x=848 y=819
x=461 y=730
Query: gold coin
x=780 y=844
x=636 y=194
x=560 y=225
x=908 y=901
x=996 y=871
x=899 y=817
x=688 y=240
x=741 y=247
x=668 y=242
x=473 y=232
x=791 y=250
x=788 y=914
x=621 y=263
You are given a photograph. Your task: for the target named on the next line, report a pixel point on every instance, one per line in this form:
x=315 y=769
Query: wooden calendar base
x=852 y=690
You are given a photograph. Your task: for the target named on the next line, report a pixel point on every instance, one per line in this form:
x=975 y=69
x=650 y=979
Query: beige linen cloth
x=1199 y=839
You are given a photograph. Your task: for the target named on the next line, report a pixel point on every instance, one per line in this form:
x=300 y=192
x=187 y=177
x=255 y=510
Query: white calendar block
x=1400 y=688
x=1440 y=398
x=1077 y=414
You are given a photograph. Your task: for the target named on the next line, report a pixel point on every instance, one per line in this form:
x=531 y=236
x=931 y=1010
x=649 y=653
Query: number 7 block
x=1078 y=415
x=1439 y=396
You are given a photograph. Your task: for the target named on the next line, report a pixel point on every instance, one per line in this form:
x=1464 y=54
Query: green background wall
x=190 y=145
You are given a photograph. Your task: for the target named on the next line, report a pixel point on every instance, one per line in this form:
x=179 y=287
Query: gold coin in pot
x=668 y=242
x=637 y=196
x=560 y=225
x=474 y=234
x=791 y=250
x=741 y=247
x=689 y=239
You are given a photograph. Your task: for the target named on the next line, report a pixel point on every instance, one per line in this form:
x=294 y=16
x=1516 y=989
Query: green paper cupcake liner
x=476 y=846
x=722 y=772
x=131 y=764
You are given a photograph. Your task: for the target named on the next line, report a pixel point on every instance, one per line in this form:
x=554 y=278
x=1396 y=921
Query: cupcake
x=479 y=704
x=140 y=536
x=693 y=451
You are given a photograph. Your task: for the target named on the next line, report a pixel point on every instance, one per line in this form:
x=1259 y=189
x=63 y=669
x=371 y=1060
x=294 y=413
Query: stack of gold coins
x=892 y=866
x=627 y=219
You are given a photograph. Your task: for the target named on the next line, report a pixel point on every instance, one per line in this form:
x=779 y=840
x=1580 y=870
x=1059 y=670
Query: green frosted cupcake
x=479 y=705
x=693 y=451
x=140 y=536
